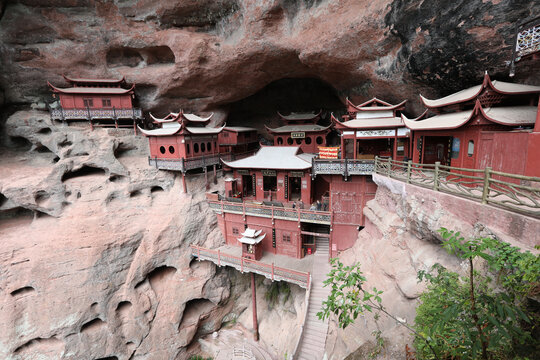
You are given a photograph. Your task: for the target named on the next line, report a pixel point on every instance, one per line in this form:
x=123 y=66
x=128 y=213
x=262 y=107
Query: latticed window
x=88 y=102
x=286 y=237
x=235 y=231
x=106 y=102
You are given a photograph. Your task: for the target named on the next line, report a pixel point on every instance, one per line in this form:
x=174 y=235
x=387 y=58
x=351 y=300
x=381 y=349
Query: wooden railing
x=510 y=191
x=343 y=167
x=91 y=114
x=273 y=212
x=194 y=162
x=270 y=271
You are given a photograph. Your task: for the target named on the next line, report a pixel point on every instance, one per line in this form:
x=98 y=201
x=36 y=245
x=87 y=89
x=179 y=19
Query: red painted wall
x=76 y=101
x=312 y=148
x=532 y=167
x=230 y=222
x=181 y=149
x=347 y=201
x=156 y=142
x=503 y=151
x=280 y=193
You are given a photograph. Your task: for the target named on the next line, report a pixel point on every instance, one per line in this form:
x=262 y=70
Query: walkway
x=313 y=337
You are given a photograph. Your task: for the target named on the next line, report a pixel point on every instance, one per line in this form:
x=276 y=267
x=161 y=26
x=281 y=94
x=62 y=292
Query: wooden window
x=319 y=140
x=171 y=149
x=235 y=231
x=308 y=140
x=280 y=140
x=287 y=238
x=88 y=103
x=106 y=102
x=299 y=141
x=196 y=148
x=209 y=146
x=289 y=141
x=162 y=149
x=187 y=148
x=203 y=147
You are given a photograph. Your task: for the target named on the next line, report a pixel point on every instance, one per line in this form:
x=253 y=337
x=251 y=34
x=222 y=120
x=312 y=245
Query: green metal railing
x=513 y=192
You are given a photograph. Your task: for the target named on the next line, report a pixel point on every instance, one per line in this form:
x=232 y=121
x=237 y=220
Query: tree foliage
x=477 y=316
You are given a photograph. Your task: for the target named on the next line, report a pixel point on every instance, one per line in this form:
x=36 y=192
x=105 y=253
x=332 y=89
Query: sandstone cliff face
x=94 y=256
x=207 y=55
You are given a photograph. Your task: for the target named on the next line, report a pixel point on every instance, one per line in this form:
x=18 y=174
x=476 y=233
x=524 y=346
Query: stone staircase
x=313 y=339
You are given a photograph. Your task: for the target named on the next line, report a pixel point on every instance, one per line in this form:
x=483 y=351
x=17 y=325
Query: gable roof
x=92 y=90
x=380 y=105
x=469 y=94
x=87 y=80
x=374 y=123
x=299 y=127
x=508 y=116
x=274 y=157
x=299 y=116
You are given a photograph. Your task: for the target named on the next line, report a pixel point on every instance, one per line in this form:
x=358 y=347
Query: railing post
x=375 y=164
x=485 y=191
x=436 y=176
x=409 y=165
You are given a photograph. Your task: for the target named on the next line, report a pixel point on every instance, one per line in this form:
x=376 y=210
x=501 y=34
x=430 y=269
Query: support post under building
x=254 y=299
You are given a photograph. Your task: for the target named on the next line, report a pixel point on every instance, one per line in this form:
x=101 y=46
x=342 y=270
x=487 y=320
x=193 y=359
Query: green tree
x=460 y=317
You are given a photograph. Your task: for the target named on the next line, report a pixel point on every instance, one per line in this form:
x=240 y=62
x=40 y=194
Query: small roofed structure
x=102 y=102
x=300 y=129
x=274 y=173
x=495 y=132
x=250 y=240
x=373 y=128
x=236 y=142
x=182 y=142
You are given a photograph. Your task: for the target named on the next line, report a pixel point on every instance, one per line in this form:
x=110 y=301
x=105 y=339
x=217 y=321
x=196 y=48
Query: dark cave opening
x=286 y=96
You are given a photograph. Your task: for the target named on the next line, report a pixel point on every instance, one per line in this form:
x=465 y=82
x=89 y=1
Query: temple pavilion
x=373 y=128
x=488 y=125
x=102 y=102
x=182 y=142
x=300 y=129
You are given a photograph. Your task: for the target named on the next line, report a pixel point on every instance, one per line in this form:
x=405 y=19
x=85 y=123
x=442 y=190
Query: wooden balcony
x=184 y=165
x=272 y=212
x=231 y=256
x=62 y=114
x=344 y=167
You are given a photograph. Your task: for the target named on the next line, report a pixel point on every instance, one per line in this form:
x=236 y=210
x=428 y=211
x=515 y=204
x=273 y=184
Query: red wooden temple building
x=488 y=125
x=102 y=102
x=373 y=128
x=275 y=183
x=237 y=141
x=300 y=129
x=183 y=142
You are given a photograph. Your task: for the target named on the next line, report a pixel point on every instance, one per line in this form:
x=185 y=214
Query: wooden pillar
x=254 y=300
x=206 y=176
x=342 y=147
x=184 y=182
x=215 y=174
x=394 y=150
x=354 y=146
